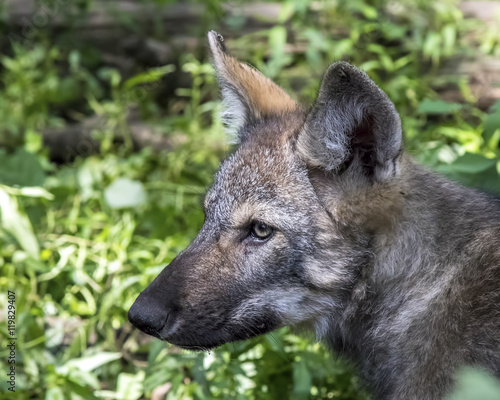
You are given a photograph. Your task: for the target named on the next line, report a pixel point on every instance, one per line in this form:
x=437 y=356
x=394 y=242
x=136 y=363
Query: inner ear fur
x=352 y=122
x=247 y=94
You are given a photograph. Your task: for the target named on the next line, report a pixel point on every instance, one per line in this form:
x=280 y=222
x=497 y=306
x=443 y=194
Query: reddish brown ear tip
x=216 y=42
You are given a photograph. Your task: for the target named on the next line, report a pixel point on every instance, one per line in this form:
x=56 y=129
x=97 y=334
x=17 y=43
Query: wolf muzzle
x=156 y=309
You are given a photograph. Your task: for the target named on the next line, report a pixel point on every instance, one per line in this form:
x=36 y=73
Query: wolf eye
x=261 y=231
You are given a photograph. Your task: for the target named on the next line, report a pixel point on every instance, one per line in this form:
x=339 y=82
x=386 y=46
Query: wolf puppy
x=320 y=221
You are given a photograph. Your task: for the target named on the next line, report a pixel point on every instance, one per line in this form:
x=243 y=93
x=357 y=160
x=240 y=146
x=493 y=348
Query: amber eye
x=261 y=231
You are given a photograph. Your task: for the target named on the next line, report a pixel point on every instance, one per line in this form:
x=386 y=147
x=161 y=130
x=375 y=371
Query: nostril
x=170 y=325
x=165 y=322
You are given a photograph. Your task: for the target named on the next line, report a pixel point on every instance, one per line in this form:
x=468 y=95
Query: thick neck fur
x=409 y=315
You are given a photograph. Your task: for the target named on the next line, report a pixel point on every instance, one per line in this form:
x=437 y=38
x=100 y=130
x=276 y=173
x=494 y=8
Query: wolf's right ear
x=247 y=94
x=352 y=122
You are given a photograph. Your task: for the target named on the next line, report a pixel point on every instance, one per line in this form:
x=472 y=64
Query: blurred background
x=109 y=136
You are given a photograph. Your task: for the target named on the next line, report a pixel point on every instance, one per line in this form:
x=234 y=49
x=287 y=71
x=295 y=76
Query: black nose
x=149 y=315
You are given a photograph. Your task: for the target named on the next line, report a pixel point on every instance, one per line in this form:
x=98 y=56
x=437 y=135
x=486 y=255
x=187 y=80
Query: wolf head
x=291 y=218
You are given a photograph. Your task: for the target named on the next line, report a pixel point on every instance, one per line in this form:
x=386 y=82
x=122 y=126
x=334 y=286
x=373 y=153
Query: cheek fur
x=292 y=306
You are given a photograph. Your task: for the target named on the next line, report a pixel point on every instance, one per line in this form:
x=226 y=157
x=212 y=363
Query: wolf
x=320 y=221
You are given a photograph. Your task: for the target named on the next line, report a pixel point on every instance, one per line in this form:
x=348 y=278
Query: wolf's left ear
x=352 y=122
x=247 y=94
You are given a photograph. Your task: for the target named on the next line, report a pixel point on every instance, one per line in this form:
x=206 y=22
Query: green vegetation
x=79 y=239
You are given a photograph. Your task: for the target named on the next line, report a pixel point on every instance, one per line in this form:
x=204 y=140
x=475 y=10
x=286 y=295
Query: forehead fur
x=264 y=168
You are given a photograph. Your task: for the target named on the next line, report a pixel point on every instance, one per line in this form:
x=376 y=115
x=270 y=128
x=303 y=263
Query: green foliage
x=475 y=384
x=79 y=241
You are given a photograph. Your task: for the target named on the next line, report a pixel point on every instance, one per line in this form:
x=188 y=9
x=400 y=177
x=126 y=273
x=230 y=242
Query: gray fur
x=395 y=268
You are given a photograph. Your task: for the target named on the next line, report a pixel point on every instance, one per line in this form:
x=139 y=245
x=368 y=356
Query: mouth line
x=196 y=347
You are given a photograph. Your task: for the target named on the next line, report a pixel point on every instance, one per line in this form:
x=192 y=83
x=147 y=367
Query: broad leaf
x=469 y=163
x=492 y=122
x=20 y=169
x=437 y=107
x=124 y=193
x=90 y=363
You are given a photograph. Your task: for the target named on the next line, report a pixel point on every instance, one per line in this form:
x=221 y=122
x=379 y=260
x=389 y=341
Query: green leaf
x=20 y=169
x=54 y=394
x=469 y=163
x=436 y=107
x=17 y=225
x=277 y=42
x=432 y=45
x=36 y=192
x=449 y=33
x=369 y=11
x=492 y=122
x=302 y=380
x=150 y=76
x=130 y=386
x=111 y=75
x=474 y=384
x=286 y=12
x=90 y=363
x=472 y=164
x=124 y=193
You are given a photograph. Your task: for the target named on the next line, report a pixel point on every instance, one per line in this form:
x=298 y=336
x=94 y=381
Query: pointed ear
x=352 y=124
x=247 y=94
